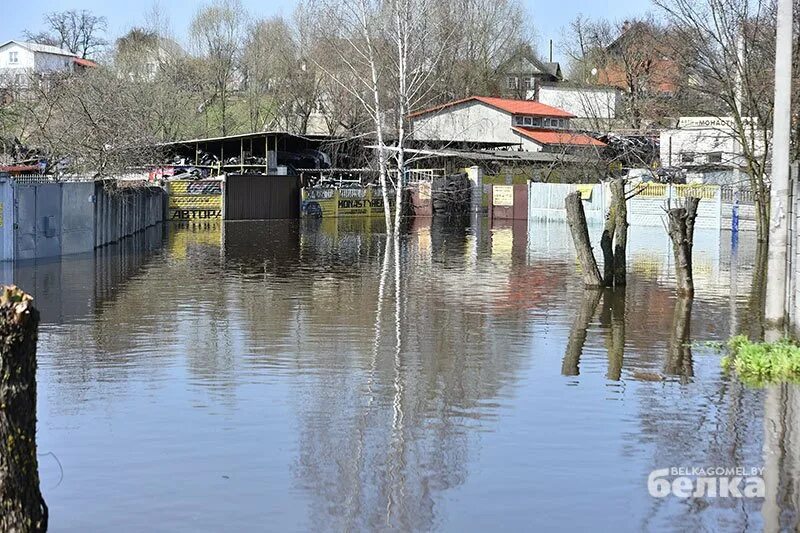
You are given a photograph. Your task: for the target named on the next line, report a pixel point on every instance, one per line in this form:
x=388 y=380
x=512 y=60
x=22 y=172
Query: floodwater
x=309 y=376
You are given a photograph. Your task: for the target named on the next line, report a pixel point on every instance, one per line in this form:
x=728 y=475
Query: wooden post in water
x=22 y=507
x=576 y=218
x=681 y=233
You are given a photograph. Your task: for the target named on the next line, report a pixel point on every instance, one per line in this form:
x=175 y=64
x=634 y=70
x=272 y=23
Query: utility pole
x=779 y=193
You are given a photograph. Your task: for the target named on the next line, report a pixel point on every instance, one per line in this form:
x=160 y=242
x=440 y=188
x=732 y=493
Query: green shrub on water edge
x=760 y=363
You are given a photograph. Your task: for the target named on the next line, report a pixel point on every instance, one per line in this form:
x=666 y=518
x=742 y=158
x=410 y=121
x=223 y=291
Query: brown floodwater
x=313 y=376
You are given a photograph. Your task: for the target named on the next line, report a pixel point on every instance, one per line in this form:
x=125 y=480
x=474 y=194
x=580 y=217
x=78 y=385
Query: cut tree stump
x=22 y=507
x=576 y=218
x=681 y=233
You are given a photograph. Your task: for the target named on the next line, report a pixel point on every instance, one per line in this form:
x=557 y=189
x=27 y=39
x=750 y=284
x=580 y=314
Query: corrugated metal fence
x=46 y=217
x=646 y=208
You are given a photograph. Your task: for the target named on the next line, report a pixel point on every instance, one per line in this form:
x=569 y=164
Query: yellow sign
x=503 y=195
x=324 y=202
x=195 y=199
x=586 y=191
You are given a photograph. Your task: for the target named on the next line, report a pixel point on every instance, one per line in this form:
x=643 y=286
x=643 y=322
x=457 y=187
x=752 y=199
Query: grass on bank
x=760 y=363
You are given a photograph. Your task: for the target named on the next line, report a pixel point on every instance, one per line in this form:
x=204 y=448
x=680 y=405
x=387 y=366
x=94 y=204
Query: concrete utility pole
x=779 y=194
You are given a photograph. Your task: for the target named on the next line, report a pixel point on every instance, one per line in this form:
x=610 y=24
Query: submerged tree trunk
x=681 y=233
x=620 y=232
x=607 y=245
x=22 y=507
x=576 y=218
x=758 y=294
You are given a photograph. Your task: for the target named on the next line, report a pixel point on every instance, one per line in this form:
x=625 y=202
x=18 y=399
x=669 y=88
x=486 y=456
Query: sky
x=549 y=16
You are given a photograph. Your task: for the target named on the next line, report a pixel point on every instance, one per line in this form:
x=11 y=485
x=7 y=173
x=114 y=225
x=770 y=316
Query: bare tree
x=634 y=56
x=282 y=85
x=481 y=37
x=217 y=31
x=352 y=30
x=80 y=32
x=726 y=47
x=390 y=52
x=98 y=123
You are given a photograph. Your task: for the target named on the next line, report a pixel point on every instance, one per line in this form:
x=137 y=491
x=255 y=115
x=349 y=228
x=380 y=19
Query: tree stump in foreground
x=681 y=233
x=576 y=218
x=22 y=507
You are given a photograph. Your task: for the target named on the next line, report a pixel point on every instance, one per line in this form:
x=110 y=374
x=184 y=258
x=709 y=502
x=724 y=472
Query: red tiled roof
x=558 y=137
x=83 y=62
x=19 y=168
x=515 y=107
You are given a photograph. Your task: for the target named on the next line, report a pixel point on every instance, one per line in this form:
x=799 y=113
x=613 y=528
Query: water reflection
x=577 y=336
x=782 y=458
x=679 y=354
x=317 y=375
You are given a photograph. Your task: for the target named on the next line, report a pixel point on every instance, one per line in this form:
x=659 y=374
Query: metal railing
x=744 y=196
x=48 y=178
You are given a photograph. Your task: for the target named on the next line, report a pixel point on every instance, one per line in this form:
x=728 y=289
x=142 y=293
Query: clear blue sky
x=549 y=16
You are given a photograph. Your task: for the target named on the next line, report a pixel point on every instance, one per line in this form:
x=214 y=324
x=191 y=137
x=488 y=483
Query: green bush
x=759 y=363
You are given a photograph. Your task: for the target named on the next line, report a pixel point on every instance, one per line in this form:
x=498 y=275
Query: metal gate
x=259 y=197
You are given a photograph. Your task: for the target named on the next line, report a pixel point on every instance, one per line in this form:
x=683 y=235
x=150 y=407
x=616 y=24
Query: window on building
x=529 y=121
x=529 y=83
x=518 y=120
x=13 y=58
x=537 y=122
x=715 y=157
x=687 y=157
x=511 y=82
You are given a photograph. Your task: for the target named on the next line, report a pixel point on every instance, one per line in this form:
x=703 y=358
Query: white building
x=594 y=104
x=20 y=62
x=706 y=146
x=532 y=126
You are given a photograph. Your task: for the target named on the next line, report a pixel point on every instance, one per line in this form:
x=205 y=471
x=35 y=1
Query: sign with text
x=503 y=195
x=688 y=123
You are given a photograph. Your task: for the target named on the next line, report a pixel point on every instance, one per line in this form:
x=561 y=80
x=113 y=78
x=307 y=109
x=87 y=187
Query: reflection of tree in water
x=679 y=352
x=384 y=430
x=700 y=423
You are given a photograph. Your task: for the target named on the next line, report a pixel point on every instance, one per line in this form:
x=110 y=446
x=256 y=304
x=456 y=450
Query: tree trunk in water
x=681 y=233
x=758 y=294
x=577 y=336
x=576 y=218
x=607 y=245
x=620 y=232
x=22 y=508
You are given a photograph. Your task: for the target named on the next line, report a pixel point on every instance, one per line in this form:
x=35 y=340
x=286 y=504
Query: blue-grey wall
x=42 y=219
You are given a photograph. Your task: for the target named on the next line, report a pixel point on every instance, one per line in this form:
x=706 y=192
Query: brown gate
x=508 y=202
x=259 y=197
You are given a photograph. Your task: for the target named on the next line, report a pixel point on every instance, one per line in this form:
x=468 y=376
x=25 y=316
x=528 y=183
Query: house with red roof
x=530 y=125
x=21 y=62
